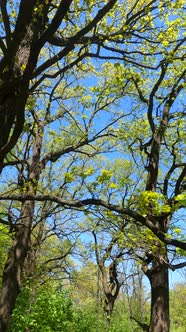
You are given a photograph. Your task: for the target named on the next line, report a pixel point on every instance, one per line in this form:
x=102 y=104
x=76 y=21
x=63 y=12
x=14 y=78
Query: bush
x=43 y=311
x=47 y=311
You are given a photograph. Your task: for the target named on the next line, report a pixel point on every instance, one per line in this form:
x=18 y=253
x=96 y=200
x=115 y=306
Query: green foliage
x=180 y=200
x=51 y=311
x=104 y=176
x=178 y=308
x=152 y=202
x=42 y=311
x=5 y=241
x=120 y=320
x=87 y=109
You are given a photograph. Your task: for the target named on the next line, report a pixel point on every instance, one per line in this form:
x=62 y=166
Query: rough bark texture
x=109 y=278
x=111 y=289
x=17 y=65
x=159 y=300
x=13 y=271
x=158 y=276
x=14 y=266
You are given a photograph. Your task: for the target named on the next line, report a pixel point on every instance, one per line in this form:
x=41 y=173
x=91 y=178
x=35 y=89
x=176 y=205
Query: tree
x=26 y=29
x=41 y=146
x=109 y=275
x=23 y=223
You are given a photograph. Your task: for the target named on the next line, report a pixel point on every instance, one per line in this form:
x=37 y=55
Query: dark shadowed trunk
x=16 y=70
x=14 y=265
x=158 y=276
x=159 y=300
x=13 y=270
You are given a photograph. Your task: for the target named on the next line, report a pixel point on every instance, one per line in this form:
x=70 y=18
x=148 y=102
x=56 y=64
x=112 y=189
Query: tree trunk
x=108 y=308
x=159 y=299
x=111 y=289
x=11 y=281
x=13 y=271
x=11 y=117
x=16 y=70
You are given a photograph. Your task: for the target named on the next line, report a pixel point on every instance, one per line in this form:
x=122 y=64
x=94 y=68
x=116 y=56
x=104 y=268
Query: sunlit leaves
x=68 y=177
x=104 y=176
x=90 y=171
x=5 y=241
x=153 y=203
x=180 y=200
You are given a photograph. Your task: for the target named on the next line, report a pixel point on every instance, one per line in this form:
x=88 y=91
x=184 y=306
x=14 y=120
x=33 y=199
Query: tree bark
x=160 y=301
x=16 y=70
x=111 y=289
x=12 y=273
x=159 y=282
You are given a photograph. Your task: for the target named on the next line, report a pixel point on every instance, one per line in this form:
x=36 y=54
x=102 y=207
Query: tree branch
x=56 y=21
x=73 y=40
x=6 y=21
x=79 y=204
x=177 y=266
x=144 y=326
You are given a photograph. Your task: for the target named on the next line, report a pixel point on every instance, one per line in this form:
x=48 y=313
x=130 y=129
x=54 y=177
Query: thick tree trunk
x=11 y=117
x=159 y=299
x=16 y=70
x=13 y=269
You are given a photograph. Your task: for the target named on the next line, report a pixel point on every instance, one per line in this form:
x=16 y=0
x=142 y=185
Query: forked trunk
x=12 y=273
x=108 y=308
x=111 y=289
